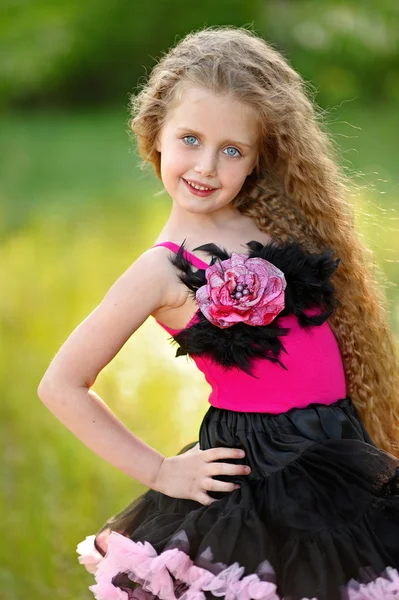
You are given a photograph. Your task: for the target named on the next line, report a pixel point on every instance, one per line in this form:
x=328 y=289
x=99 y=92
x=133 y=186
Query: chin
x=199 y=210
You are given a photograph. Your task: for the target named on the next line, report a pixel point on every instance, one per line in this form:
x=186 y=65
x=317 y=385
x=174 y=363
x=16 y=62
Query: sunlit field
x=76 y=211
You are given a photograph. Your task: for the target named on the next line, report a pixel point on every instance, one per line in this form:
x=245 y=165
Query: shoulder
x=140 y=290
x=154 y=273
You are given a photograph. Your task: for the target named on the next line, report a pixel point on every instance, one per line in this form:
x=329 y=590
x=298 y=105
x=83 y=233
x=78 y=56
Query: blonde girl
x=292 y=488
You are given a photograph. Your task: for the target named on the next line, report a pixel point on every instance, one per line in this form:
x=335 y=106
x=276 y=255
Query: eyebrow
x=227 y=141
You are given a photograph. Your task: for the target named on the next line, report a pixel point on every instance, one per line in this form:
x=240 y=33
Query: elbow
x=50 y=388
x=44 y=389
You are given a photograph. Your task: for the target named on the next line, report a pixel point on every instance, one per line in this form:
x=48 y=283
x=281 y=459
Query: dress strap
x=197 y=262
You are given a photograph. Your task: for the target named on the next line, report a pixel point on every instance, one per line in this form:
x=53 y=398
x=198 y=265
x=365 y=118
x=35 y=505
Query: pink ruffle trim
x=88 y=554
x=152 y=571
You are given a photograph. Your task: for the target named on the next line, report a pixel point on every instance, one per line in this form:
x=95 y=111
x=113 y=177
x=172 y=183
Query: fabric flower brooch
x=240 y=298
x=242 y=290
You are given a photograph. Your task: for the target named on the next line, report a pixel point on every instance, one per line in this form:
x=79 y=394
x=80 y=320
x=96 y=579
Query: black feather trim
x=307 y=276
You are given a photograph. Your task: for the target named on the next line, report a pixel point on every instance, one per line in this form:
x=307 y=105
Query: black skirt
x=317 y=518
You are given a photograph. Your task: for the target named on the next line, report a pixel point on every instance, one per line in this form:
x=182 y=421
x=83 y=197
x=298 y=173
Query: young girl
x=292 y=490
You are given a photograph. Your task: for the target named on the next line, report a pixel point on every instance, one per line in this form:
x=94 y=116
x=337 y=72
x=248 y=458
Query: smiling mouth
x=201 y=188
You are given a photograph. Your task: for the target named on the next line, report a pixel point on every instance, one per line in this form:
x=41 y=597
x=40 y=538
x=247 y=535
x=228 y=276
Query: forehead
x=213 y=114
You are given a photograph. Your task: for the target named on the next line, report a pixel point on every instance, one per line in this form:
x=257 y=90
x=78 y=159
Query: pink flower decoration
x=242 y=289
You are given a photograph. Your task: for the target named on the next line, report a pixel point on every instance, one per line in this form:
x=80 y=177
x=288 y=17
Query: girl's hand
x=189 y=475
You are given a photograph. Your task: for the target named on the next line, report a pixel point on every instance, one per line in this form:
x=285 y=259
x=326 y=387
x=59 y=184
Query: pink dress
x=315 y=372
x=318 y=515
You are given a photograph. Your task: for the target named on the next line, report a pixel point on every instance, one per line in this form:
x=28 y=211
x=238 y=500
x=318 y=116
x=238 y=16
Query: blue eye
x=189 y=140
x=235 y=149
x=188 y=137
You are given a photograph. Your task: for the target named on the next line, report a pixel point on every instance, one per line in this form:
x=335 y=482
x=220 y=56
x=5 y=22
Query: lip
x=195 y=192
x=200 y=183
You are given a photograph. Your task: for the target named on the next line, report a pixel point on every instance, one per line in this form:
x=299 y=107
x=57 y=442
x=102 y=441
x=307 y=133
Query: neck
x=225 y=217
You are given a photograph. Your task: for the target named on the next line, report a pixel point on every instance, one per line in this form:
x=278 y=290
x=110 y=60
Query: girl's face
x=209 y=141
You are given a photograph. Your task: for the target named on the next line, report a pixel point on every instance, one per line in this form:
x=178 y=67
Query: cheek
x=234 y=173
x=175 y=163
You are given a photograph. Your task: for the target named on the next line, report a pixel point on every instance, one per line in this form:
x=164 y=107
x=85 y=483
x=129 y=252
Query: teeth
x=198 y=187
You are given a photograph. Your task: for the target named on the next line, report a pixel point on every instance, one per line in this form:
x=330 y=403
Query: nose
x=206 y=164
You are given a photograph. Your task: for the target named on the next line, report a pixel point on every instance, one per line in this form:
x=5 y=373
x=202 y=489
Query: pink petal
x=153 y=571
x=89 y=555
x=385 y=587
x=179 y=565
x=107 y=591
x=220 y=582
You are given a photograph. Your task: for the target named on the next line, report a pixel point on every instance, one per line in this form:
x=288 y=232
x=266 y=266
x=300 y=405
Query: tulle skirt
x=317 y=518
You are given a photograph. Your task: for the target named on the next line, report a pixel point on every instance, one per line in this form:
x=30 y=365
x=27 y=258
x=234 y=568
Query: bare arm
x=65 y=386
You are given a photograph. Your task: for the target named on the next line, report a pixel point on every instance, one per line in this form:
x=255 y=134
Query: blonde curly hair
x=297 y=191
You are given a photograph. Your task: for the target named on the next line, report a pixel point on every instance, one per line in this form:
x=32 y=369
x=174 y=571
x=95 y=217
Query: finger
x=213 y=485
x=204 y=499
x=227 y=469
x=217 y=453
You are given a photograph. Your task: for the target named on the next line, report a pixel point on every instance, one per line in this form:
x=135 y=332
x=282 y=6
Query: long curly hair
x=297 y=191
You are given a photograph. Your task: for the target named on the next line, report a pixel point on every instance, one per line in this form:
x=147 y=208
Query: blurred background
x=76 y=210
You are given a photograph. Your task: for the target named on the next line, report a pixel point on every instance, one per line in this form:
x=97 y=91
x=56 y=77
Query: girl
x=292 y=490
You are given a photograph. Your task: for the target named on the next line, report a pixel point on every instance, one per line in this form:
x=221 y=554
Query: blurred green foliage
x=71 y=52
x=76 y=210
x=83 y=52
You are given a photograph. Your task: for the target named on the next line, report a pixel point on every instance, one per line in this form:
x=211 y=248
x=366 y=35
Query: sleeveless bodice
x=313 y=373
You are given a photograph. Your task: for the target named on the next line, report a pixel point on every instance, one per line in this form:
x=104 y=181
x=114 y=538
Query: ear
x=157 y=144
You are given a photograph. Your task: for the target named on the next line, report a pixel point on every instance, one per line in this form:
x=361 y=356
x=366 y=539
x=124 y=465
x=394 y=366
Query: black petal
x=233 y=346
x=307 y=275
